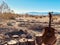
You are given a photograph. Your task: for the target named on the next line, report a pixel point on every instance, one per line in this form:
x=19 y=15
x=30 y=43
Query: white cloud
x=25 y=11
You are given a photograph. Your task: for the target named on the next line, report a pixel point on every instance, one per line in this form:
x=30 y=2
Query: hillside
x=25 y=25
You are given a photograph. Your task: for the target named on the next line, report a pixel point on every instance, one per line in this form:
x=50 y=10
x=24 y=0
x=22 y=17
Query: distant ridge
x=42 y=13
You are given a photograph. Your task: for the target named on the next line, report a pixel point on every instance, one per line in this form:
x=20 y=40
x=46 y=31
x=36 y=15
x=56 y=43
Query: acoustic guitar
x=49 y=34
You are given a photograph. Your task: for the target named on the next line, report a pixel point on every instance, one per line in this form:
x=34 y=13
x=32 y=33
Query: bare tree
x=4 y=8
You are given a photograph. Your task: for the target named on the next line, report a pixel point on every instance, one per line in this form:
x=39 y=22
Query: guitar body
x=49 y=36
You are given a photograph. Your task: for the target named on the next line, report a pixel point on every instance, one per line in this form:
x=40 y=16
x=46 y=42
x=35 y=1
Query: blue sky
x=22 y=6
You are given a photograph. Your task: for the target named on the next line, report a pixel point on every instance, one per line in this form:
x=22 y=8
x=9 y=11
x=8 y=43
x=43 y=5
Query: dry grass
x=8 y=16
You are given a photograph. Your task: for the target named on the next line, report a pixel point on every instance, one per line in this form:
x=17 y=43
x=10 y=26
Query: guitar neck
x=50 y=16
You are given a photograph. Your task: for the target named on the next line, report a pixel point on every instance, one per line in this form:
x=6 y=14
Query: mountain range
x=42 y=13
